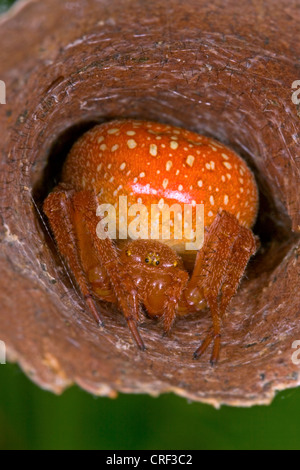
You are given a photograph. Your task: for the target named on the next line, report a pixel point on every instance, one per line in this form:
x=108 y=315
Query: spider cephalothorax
x=152 y=163
x=150 y=254
x=156 y=271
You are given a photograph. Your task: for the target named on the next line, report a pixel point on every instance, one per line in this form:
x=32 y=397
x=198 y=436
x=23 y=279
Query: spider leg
x=219 y=267
x=244 y=247
x=173 y=294
x=85 y=206
x=241 y=252
x=59 y=210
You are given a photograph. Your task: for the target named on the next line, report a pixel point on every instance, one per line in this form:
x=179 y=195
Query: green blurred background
x=34 y=419
x=5 y=4
x=31 y=418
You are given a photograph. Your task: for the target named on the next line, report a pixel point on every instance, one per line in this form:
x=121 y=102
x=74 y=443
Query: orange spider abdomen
x=153 y=163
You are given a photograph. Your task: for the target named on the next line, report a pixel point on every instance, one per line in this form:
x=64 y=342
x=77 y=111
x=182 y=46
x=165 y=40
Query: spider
x=155 y=163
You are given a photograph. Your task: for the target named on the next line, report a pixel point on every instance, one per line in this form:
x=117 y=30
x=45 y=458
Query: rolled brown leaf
x=224 y=69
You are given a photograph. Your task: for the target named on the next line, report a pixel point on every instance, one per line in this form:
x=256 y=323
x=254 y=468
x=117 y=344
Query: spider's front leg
x=219 y=267
x=60 y=212
x=72 y=216
x=173 y=294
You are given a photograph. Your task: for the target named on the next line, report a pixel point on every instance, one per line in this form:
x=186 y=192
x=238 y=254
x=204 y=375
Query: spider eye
x=157 y=263
x=147 y=260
